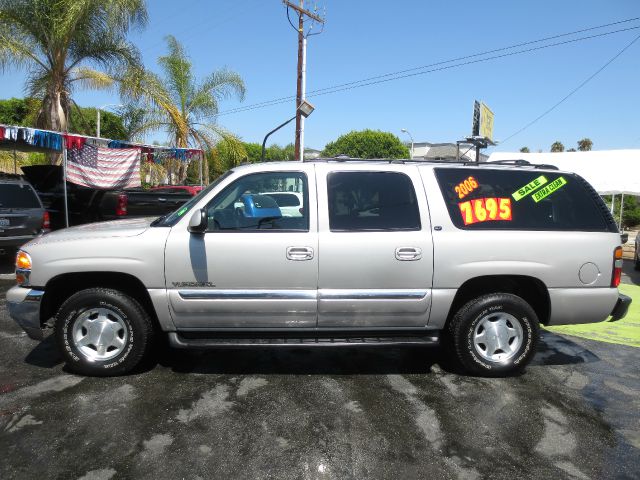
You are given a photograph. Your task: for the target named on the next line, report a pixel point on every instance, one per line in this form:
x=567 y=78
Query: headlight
x=23 y=268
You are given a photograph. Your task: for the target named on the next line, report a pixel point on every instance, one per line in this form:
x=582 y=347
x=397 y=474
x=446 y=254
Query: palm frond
x=91 y=79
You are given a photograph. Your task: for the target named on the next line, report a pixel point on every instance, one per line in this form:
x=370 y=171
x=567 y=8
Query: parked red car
x=193 y=190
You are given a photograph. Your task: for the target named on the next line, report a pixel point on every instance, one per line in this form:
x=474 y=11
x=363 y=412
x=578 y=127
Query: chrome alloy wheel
x=100 y=334
x=497 y=337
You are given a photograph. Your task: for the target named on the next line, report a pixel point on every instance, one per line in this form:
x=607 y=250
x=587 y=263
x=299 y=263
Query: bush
x=367 y=144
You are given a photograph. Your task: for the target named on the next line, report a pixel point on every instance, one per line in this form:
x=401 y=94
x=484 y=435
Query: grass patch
x=623 y=332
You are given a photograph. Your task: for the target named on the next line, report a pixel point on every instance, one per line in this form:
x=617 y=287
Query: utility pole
x=302 y=69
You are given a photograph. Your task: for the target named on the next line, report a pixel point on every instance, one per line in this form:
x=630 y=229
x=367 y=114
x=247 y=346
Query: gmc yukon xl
x=380 y=253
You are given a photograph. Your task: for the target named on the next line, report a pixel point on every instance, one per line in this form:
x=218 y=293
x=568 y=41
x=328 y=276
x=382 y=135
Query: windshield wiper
x=158 y=220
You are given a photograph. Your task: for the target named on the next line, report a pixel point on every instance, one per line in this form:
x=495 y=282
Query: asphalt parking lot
x=323 y=413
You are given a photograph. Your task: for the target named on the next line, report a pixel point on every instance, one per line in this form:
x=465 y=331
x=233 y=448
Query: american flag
x=98 y=167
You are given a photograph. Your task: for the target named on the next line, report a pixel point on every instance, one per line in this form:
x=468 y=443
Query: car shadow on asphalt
x=45 y=354
x=552 y=350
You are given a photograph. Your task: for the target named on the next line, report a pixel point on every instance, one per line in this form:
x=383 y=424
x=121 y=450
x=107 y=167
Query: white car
x=290 y=203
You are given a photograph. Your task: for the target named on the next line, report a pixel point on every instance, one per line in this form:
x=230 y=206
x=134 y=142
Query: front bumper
x=24 y=308
x=621 y=308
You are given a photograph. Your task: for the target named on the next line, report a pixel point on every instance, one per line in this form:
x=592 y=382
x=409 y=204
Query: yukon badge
x=193 y=284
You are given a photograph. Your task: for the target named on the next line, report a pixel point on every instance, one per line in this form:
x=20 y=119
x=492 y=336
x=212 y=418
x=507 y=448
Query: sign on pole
x=482 y=121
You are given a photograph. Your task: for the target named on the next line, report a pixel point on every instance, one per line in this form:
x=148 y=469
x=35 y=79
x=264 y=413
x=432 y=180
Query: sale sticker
x=485 y=210
x=529 y=188
x=549 y=189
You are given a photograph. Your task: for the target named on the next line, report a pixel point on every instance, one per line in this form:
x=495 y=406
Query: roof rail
x=511 y=162
x=523 y=163
x=346 y=158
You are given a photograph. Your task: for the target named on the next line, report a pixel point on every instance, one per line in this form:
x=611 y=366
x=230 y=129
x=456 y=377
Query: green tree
x=83 y=120
x=227 y=153
x=571 y=150
x=136 y=120
x=585 y=144
x=254 y=151
x=17 y=111
x=66 y=43
x=524 y=150
x=557 y=146
x=23 y=111
x=181 y=104
x=367 y=144
x=630 y=213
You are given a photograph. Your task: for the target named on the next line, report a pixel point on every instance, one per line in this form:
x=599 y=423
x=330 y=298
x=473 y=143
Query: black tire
x=135 y=330
x=462 y=328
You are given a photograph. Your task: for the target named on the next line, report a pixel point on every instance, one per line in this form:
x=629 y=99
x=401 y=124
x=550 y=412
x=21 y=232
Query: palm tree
x=585 y=144
x=557 y=146
x=60 y=43
x=182 y=105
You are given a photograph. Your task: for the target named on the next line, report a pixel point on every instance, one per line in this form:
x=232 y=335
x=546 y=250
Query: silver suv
x=382 y=253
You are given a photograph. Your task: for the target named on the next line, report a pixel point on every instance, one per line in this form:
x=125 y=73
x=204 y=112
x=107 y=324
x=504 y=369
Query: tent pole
x=621 y=210
x=64 y=185
x=201 y=155
x=613 y=201
x=15 y=163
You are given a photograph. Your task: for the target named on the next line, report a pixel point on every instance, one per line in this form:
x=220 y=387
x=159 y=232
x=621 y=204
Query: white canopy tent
x=609 y=171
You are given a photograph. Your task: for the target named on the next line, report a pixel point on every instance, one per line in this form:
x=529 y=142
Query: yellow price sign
x=486 y=122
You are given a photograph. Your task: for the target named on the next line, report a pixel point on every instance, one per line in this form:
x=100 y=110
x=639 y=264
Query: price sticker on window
x=485 y=210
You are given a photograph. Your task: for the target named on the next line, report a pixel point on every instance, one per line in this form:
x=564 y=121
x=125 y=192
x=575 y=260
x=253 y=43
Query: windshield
x=171 y=219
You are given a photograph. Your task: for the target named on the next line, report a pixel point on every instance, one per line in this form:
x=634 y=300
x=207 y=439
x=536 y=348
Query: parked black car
x=87 y=205
x=22 y=215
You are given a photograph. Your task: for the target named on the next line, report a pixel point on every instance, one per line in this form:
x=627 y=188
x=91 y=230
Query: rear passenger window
x=372 y=201
x=480 y=199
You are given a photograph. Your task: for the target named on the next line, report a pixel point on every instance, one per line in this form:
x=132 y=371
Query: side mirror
x=198 y=221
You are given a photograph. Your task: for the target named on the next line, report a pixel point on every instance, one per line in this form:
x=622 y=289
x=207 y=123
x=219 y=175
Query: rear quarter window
x=18 y=195
x=481 y=199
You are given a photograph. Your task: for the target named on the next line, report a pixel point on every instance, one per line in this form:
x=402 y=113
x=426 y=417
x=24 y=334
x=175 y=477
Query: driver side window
x=270 y=201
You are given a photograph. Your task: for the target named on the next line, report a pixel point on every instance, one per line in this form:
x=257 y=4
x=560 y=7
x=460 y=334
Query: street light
x=404 y=130
x=98 y=115
x=305 y=109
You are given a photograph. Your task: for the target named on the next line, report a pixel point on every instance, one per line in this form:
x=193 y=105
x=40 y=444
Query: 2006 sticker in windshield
x=549 y=189
x=485 y=209
x=529 y=188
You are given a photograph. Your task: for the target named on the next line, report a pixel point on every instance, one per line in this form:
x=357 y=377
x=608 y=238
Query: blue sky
x=369 y=38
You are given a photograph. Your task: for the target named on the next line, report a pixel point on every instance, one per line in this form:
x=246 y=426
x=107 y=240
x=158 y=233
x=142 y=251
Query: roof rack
x=345 y=158
x=515 y=163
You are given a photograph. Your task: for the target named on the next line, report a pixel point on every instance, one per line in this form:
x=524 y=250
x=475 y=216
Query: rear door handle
x=299 y=253
x=408 y=253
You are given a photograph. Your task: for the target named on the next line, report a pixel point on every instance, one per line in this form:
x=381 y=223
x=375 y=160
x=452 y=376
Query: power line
x=401 y=73
x=591 y=77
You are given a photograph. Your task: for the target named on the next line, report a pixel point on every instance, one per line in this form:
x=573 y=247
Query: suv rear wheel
x=103 y=332
x=494 y=335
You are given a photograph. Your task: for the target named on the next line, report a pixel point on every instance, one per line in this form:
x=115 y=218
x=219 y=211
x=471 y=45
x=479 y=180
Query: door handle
x=408 y=253
x=299 y=253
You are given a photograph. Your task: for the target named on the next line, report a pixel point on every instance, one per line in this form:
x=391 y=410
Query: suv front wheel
x=103 y=332
x=494 y=335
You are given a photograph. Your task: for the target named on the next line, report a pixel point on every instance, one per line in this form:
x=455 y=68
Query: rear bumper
x=24 y=308
x=621 y=308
